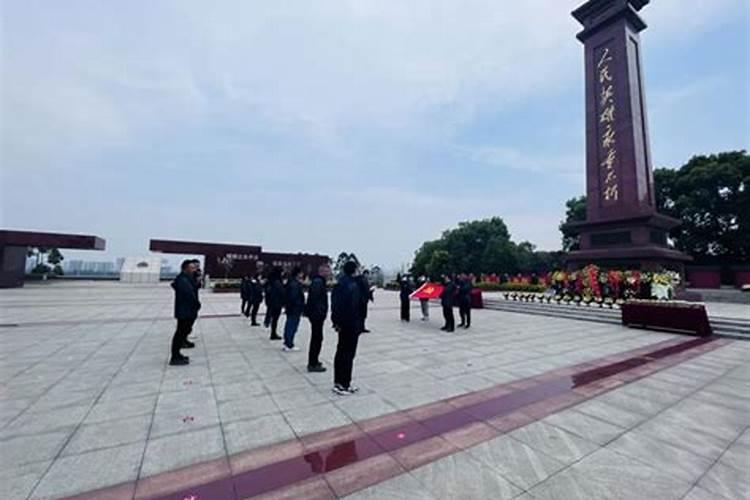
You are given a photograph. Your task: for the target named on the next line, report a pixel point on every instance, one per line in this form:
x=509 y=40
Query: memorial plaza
x=519 y=406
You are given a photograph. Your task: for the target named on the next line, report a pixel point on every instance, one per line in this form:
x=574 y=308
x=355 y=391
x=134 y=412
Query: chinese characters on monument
x=607 y=134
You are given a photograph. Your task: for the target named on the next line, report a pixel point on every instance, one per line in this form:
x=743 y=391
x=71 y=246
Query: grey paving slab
x=677 y=462
x=460 y=476
x=89 y=471
x=178 y=450
x=107 y=434
x=316 y=418
x=554 y=442
x=22 y=450
x=585 y=426
x=402 y=487
x=727 y=481
x=248 y=434
x=517 y=462
x=605 y=474
x=18 y=482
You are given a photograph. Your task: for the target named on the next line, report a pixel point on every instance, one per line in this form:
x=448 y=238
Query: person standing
x=365 y=297
x=345 y=316
x=245 y=296
x=424 y=304
x=446 y=300
x=316 y=310
x=274 y=301
x=256 y=298
x=294 y=304
x=464 y=287
x=404 y=294
x=186 y=307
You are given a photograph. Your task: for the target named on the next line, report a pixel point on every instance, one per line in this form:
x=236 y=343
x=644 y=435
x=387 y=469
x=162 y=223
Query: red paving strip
x=340 y=461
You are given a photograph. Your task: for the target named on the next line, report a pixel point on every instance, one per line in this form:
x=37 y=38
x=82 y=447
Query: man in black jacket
x=446 y=300
x=295 y=306
x=186 y=306
x=365 y=296
x=345 y=308
x=256 y=298
x=274 y=301
x=464 y=286
x=316 y=310
x=245 y=296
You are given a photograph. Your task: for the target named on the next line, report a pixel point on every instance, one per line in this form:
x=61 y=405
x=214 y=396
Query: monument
x=623 y=228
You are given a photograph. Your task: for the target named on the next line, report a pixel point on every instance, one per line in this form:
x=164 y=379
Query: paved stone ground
x=87 y=399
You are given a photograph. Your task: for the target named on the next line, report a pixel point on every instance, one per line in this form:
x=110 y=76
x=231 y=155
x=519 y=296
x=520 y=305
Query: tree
x=481 y=246
x=575 y=211
x=343 y=258
x=711 y=198
x=54 y=256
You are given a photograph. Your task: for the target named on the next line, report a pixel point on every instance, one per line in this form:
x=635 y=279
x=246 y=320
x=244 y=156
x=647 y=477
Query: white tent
x=140 y=270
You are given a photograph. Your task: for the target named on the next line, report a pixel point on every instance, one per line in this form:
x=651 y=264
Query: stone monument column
x=622 y=227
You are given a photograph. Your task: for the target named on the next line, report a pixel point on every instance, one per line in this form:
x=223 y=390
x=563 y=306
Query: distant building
x=141 y=270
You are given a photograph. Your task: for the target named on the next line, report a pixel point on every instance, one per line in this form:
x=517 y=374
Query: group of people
x=456 y=292
x=349 y=302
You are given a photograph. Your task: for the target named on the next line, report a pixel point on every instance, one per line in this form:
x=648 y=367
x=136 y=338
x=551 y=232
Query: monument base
x=630 y=243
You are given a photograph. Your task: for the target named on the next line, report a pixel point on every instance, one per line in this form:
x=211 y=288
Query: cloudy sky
x=323 y=126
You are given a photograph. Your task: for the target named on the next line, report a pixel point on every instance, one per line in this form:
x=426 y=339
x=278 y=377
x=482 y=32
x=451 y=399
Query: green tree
x=711 y=196
x=575 y=211
x=343 y=258
x=481 y=246
x=54 y=256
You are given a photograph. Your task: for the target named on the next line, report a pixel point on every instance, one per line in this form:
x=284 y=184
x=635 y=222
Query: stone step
x=731 y=327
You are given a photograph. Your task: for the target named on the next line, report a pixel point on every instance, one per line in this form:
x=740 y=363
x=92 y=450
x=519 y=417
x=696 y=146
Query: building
x=141 y=270
x=15 y=244
x=225 y=260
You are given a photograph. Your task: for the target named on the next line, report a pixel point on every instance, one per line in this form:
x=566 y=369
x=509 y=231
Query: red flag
x=427 y=291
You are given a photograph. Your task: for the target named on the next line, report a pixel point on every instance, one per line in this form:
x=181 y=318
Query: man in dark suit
x=295 y=306
x=345 y=308
x=245 y=296
x=464 y=287
x=365 y=297
x=404 y=295
x=316 y=310
x=186 y=307
x=446 y=300
x=274 y=301
x=255 y=298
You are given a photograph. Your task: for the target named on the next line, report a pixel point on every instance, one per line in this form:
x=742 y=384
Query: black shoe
x=183 y=360
x=365 y=331
x=467 y=326
x=319 y=368
x=461 y=325
x=187 y=345
x=255 y=324
x=444 y=329
x=450 y=330
x=274 y=337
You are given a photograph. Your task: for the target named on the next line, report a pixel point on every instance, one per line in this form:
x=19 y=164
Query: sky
x=363 y=126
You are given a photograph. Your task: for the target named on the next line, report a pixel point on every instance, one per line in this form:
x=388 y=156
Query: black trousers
x=450 y=321
x=346 y=350
x=275 y=313
x=184 y=327
x=245 y=307
x=316 y=341
x=405 y=310
x=465 y=311
x=254 y=313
